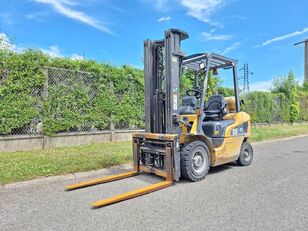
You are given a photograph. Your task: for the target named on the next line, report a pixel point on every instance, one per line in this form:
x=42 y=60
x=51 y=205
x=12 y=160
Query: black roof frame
x=216 y=61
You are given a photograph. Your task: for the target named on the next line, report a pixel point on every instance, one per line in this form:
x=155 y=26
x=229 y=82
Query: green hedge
x=108 y=94
x=32 y=103
x=21 y=77
x=276 y=107
x=267 y=107
x=303 y=105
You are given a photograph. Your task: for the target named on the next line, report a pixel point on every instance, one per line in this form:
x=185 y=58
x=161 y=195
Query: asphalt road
x=271 y=194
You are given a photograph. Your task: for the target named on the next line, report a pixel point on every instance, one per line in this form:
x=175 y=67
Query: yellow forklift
x=183 y=140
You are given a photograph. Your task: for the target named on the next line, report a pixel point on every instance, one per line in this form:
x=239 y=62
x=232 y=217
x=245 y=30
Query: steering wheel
x=195 y=93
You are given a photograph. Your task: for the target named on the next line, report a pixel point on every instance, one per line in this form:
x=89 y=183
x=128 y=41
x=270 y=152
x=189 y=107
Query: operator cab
x=217 y=109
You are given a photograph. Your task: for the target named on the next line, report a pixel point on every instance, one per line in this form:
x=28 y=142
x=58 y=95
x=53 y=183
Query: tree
x=188 y=78
x=289 y=87
x=5 y=43
x=213 y=83
x=285 y=85
x=305 y=87
x=226 y=91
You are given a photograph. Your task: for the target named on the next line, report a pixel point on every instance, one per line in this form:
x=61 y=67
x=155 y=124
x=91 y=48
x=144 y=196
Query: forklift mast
x=162 y=66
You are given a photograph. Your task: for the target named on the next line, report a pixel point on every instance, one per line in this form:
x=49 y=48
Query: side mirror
x=242 y=102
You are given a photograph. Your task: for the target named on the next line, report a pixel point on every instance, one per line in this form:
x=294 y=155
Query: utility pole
x=305 y=59
x=245 y=77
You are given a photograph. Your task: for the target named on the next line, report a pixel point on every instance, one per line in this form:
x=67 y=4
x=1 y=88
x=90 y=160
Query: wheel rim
x=246 y=155
x=198 y=162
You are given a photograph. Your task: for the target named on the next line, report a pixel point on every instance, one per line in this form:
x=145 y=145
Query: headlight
x=202 y=66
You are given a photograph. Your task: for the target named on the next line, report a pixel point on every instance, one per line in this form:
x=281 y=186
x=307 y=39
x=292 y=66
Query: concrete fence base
x=279 y=124
x=14 y=143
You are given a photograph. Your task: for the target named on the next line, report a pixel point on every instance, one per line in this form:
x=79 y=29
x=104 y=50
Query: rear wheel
x=246 y=155
x=195 y=161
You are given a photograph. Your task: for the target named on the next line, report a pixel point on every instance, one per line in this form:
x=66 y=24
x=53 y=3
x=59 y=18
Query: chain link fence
x=69 y=98
x=50 y=100
x=74 y=101
x=21 y=103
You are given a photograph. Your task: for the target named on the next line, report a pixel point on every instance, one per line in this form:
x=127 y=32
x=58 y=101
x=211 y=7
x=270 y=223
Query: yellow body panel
x=229 y=150
x=192 y=119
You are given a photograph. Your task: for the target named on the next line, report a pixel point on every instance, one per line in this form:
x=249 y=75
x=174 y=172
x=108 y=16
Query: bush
x=266 y=107
x=303 y=105
x=67 y=101
x=93 y=95
x=289 y=87
x=21 y=79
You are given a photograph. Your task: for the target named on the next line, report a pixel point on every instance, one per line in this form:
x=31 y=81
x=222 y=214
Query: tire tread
x=240 y=161
x=186 y=161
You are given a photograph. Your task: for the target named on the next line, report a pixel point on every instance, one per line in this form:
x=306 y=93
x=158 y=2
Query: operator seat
x=215 y=108
x=189 y=104
x=214 y=125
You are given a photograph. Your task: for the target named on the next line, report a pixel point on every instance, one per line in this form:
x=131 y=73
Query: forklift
x=183 y=140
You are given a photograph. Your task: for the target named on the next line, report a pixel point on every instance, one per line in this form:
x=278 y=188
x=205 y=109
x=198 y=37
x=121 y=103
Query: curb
x=105 y=171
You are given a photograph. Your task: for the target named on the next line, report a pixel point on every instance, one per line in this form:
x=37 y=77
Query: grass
x=277 y=131
x=20 y=166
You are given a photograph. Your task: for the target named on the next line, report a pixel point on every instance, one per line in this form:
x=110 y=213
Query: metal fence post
x=112 y=129
x=44 y=98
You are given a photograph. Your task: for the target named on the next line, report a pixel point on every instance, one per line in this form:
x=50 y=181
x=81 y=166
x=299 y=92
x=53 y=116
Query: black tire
x=246 y=155
x=195 y=161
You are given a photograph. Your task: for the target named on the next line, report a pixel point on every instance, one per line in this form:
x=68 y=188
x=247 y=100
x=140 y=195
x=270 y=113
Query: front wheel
x=195 y=161
x=246 y=155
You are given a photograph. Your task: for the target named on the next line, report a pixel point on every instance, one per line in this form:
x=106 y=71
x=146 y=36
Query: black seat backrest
x=215 y=108
x=189 y=105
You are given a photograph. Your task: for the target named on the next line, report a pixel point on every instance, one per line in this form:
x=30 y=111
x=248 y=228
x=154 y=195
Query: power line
x=245 y=77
